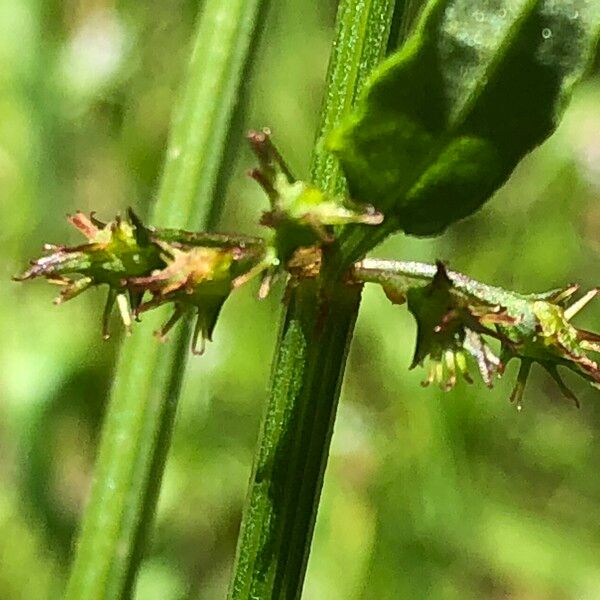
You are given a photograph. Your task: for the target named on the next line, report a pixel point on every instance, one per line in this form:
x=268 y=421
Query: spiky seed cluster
x=195 y=272
x=456 y=316
x=145 y=268
x=195 y=279
x=143 y=271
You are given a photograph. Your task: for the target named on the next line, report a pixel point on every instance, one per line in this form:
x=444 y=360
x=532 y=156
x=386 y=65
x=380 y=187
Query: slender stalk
x=287 y=477
x=358 y=47
x=137 y=429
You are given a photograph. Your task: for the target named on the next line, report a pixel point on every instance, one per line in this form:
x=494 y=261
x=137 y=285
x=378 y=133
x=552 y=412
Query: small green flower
x=553 y=341
x=115 y=250
x=448 y=330
x=197 y=279
x=301 y=214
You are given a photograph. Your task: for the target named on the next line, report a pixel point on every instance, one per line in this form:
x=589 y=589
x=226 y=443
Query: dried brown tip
x=84 y=224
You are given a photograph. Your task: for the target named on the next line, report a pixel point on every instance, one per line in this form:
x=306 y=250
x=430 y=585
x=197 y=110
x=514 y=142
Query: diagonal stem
x=137 y=430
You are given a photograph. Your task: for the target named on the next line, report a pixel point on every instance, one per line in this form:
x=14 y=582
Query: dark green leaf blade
x=443 y=123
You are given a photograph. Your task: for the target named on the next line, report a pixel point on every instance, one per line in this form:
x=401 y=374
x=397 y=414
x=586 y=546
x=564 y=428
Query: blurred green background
x=427 y=495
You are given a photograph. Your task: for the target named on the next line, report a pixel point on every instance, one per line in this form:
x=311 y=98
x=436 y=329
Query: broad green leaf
x=442 y=123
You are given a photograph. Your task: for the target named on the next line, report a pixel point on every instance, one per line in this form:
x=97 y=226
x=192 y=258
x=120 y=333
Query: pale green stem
x=137 y=429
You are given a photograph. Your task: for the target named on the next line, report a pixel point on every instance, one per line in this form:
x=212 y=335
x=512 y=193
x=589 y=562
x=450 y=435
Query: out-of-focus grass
x=428 y=495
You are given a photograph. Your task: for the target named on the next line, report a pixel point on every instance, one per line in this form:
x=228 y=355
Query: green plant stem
x=289 y=466
x=357 y=49
x=137 y=430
